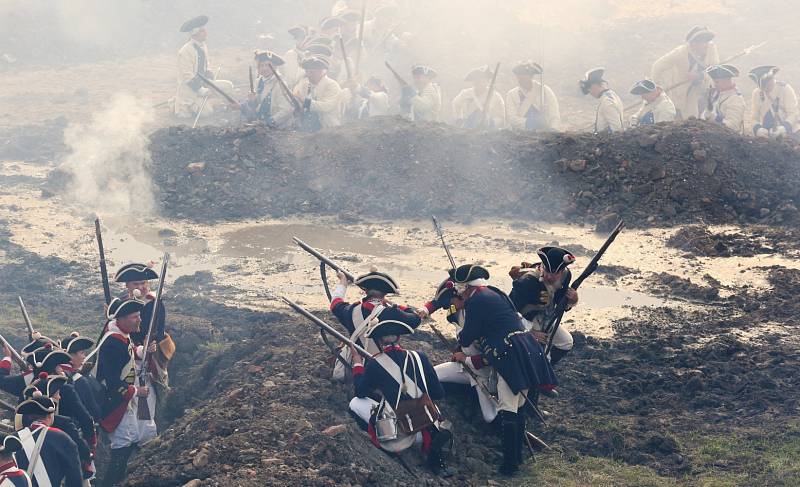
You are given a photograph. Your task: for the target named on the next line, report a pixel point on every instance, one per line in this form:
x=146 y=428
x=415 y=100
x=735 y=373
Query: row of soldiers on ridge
x=77 y=397
x=499 y=356
x=322 y=90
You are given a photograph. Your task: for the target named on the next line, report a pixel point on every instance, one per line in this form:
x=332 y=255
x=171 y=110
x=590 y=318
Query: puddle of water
x=274 y=242
x=612 y=297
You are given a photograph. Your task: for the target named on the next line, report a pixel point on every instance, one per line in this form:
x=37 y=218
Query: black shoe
x=441 y=444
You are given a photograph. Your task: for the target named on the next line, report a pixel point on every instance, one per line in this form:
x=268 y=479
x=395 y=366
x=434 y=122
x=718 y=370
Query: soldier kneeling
x=407 y=385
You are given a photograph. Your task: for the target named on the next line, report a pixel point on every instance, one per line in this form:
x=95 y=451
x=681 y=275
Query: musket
x=344 y=58
x=487 y=104
x=143 y=411
x=439 y=232
x=298 y=108
x=250 y=77
x=217 y=89
x=103 y=268
x=361 y=35
x=328 y=328
x=744 y=52
x=15 y=355
x=396 y=74
x=205 y=100
x=27 y=318
x=553 y=319
x=311 y=250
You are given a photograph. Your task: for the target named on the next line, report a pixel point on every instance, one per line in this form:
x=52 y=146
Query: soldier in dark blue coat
x=398 y=375
x=57 y=460
x=77 y=346
x=356 y=317
x=536 y=290
x=10 y=474
x=45 y=359
x=491 y=320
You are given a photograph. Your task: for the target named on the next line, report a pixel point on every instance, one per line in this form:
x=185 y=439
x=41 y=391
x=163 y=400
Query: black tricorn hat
x=722 y=71
x=194 y=23
x=469 y=272
x=555 y=258
x=118 y=308
x=315 y=49
x=377 y=281
x=444 y=293
x=527 y=67
x=36 y=405
x=331 y=22
x=135 y=272
x=324 y=40
x=10 y=444
x=592 y=77
x=760 y=74
x=388 y=327
x=47 y=359
x=45 y=385
x=420 y=69
x=268 y=57
x=315 y=62
x=75 y=343
x=482 y=72
x=37 y=344
x=699 y=34
x=643 y=86
x=298 y=30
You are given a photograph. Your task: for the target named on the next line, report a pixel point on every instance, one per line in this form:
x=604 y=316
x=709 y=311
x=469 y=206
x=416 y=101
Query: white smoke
x=109 y=159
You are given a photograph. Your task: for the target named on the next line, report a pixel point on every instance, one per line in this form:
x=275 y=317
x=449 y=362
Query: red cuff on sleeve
x=430 y=307
x=5 y=364
x=129 y=393
x=477 y=361
x=336 y=302
x=358 y=369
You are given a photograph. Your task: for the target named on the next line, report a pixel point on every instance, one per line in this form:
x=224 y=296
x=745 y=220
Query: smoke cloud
x=109 y=158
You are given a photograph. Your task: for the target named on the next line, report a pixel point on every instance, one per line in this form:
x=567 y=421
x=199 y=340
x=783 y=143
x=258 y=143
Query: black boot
x=511 y=448
x=441 y=444
x=117 y=466
x=520 y=435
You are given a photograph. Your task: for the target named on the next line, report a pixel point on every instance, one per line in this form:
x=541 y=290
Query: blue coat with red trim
x=372 y=377
x=10 y=475
x=343 y=311
x=491 y=320
x=112 y=358
x=60 y=456
x=531 y=297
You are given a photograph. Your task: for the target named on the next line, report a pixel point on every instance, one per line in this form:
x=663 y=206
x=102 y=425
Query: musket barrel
x=311 y=250
x=14 y=354
x=328 y=328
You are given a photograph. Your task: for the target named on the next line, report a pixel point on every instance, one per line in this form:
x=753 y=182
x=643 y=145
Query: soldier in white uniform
x=469 y=104
x=773 y=106
x=292 y=72
x=656 y=105
x=423 y=101
x=364 y=101
x=269 y=103
x=608 y=117
x=192 y=64
x=531 y=105
x=319 y=96
x=726 y=104
x=687 y=64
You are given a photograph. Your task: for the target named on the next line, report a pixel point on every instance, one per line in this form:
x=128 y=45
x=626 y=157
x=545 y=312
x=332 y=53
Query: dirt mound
x=701 y=241
x=390 y=168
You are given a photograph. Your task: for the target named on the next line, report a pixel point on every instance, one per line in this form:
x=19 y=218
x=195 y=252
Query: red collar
x=390 y=348
x=6 y=466
x=473 y=291
x=370 y=303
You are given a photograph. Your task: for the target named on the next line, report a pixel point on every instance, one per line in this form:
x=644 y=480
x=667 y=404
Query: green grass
x=552 y=469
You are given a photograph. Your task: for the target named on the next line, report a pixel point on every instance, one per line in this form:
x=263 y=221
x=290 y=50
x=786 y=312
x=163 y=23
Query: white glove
x=762 y=132
x=203 y=91
x=779 y=131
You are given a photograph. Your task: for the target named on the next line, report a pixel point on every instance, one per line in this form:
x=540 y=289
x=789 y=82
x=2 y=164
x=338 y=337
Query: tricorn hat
x=321 y=50
x=444 y=294
x=482 y=72
x=298 y=30
x=36 y=405
x=10 y=444
x=555 y=259
x=135 y=272
x=761 y=74
x=331 y=23
x=268 y=57
x=419 y=69
x=722 y=71
x=699 y=34
x=527 y=67
x=46 y=385
x=75 y=343
x=468 y=273
x=388 y=327
x=315 y=62
x=592 y=77
x=118 y=308
x=38 y=343
x=47 y=359
x=195 y=23
x=643 y=86
x=377 y=281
